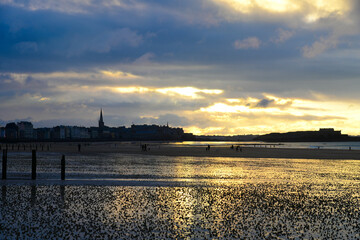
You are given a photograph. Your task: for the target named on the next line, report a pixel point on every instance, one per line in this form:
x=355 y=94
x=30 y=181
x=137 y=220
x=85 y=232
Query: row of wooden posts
x=33 y=165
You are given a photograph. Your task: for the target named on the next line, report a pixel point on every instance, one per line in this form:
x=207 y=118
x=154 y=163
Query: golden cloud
x=244 y=116
x=311 y=10
x=191 y=92
x=188 y=91
x=119 y=75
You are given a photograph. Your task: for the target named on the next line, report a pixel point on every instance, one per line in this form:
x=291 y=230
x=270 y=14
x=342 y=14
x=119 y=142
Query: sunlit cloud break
x=192 y=92
x=311 y=10
x=119 y=74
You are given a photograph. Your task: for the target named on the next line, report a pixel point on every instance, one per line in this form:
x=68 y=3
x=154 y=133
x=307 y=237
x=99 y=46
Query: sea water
x=117 y=196
x=302 y=145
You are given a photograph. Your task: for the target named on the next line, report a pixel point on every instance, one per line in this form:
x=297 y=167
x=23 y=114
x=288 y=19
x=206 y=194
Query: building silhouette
x=24 y=131
x=11 y=131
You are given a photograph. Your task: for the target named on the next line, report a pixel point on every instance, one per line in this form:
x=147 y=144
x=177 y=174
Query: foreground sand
x=196 y=151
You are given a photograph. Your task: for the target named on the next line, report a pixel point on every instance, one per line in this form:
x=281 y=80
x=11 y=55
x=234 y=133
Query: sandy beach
x=187 y=150
x=263 y=193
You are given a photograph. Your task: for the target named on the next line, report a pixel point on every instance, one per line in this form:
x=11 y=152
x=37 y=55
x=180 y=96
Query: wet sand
x=195 y=151
x=260 y=211
x=119 y=196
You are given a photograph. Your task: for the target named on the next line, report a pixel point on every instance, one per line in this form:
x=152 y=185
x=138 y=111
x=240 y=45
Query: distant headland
x=323 y=135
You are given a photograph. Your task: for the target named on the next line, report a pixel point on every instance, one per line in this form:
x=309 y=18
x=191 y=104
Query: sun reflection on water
x=188 y=198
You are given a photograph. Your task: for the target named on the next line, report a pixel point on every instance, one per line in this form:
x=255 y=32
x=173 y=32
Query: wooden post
x=3 y=193
x=62 y=194
x=33 y=170
x=4 y=164
x=33 y=195
x=63 y=167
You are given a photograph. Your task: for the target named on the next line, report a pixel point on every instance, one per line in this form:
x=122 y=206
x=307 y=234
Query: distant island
x=323 y=135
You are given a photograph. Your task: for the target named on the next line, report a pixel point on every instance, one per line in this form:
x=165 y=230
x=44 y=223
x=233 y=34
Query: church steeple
x=101 y=117
x=101 y=120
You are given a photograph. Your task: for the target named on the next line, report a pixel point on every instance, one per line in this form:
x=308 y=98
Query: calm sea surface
x=323 y=145
x=116 y=196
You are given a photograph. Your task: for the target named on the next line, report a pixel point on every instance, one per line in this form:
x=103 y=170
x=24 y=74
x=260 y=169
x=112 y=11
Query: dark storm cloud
x=57 y=41
x=52 y=40
x=61 y=41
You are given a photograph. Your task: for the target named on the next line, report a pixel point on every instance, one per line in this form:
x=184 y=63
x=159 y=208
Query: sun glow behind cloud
x=132 y=89
x=311 y=10
x=210 y=111
x=247 y=6
x=119 y=74
x=250 y=116
x=224 y=108
x=219 y=115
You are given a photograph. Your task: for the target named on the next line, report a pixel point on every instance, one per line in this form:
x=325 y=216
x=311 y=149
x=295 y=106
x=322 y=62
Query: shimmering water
x=306 y=145
x=146 y=197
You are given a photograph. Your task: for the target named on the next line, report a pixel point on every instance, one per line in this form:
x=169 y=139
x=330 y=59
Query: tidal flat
x=256 y=211
x=117 y=196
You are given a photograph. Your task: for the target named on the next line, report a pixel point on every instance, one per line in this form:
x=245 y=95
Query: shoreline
x=253 y=152
x=189 y=151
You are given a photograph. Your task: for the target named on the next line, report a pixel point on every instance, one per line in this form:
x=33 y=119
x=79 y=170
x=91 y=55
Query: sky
x=214 y=67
